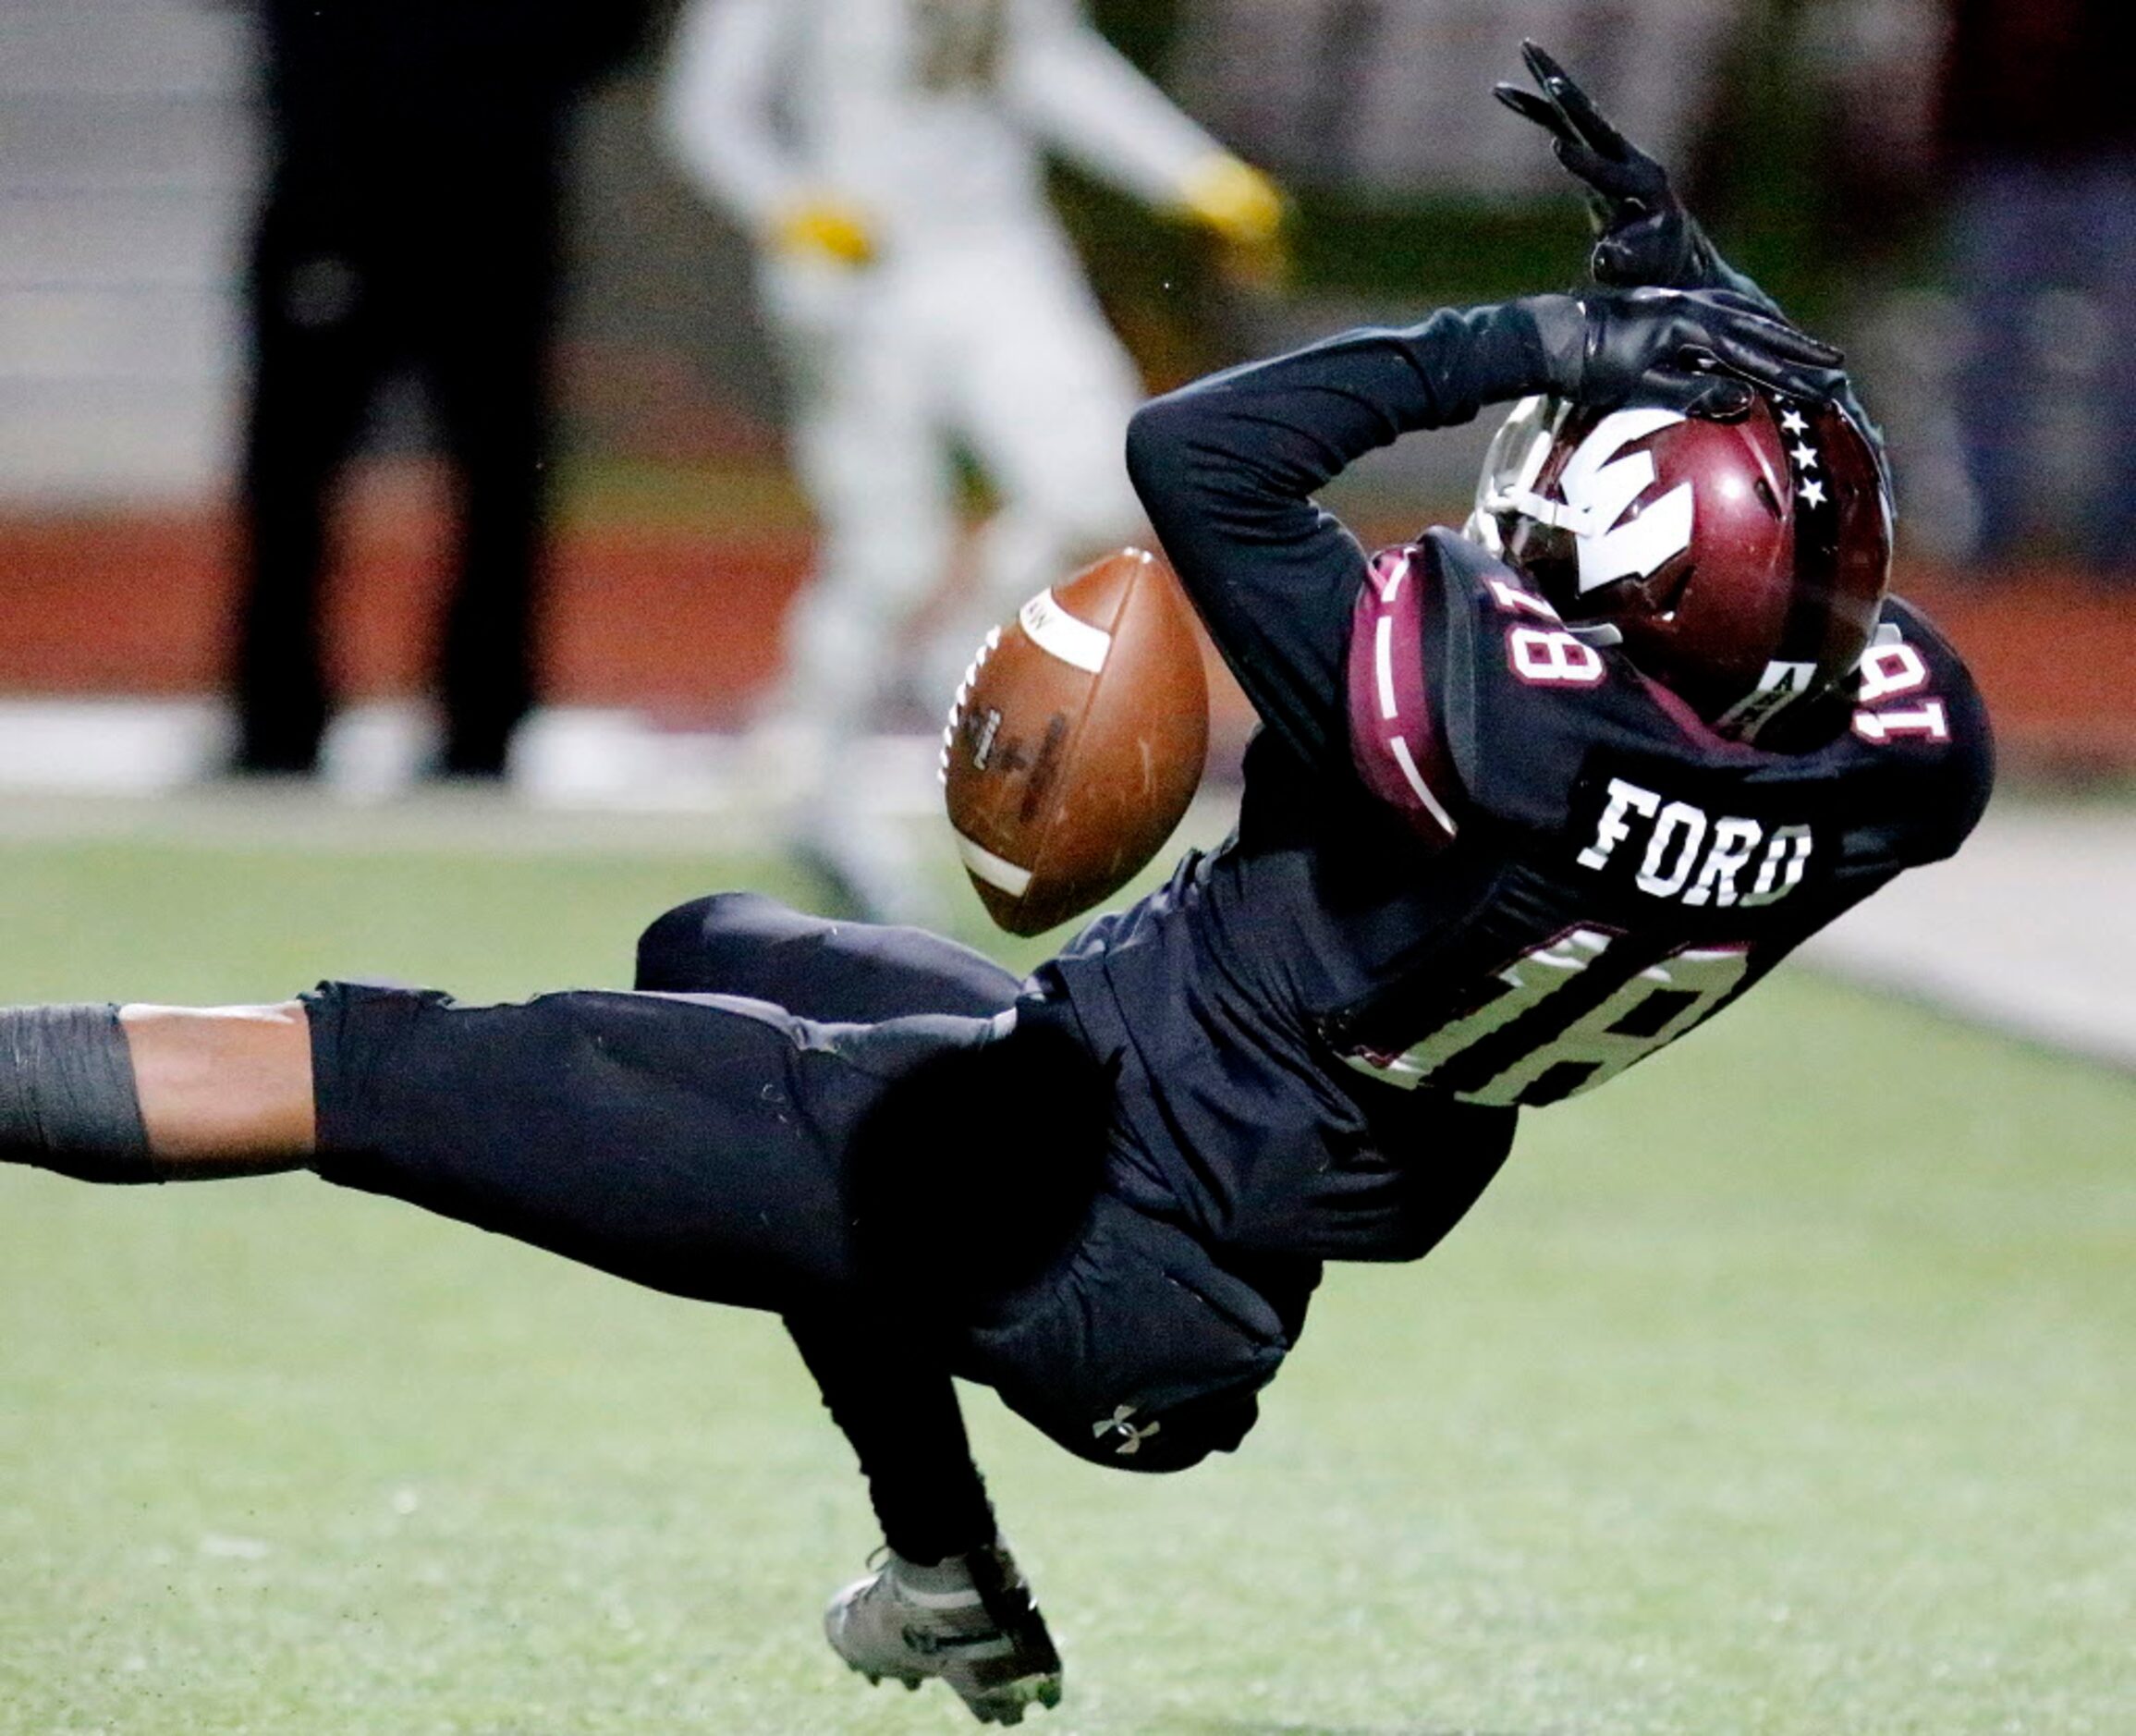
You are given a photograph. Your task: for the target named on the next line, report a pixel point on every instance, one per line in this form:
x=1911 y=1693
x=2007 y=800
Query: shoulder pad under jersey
x=1395 y=739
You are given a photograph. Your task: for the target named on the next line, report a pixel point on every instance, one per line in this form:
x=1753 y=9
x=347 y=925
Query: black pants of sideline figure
x=454 y=284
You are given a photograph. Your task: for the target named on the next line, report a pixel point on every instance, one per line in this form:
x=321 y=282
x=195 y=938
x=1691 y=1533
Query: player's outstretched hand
x=1699 y=351
x=1644 y=233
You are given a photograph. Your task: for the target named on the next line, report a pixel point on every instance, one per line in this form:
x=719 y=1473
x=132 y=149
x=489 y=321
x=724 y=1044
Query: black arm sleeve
x=1226 y=469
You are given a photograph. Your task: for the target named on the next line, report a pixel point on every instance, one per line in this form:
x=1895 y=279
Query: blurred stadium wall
x=128 y=166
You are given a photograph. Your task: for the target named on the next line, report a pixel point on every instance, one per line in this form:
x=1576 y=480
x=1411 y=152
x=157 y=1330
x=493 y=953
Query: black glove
x=1697 y=351
x=1643 y=234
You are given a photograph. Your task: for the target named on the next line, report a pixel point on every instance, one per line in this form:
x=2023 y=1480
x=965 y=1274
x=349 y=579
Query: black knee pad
x=743 y=943
x=672 y=955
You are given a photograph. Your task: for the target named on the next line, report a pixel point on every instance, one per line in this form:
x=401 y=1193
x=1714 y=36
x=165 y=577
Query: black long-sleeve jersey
x=1480 y=864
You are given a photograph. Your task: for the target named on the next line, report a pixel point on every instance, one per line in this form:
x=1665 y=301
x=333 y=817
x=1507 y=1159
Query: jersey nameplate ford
x=1699 y=859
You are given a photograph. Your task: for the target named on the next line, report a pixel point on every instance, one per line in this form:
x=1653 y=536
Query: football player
x=888 y=157
x=1529 y=803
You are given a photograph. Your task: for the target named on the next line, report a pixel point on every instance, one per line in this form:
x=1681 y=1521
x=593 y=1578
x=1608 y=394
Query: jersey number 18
x=1562 y=1018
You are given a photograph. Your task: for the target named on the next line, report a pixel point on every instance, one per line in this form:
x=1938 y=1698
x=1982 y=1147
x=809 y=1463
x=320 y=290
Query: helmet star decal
x=1803 y=456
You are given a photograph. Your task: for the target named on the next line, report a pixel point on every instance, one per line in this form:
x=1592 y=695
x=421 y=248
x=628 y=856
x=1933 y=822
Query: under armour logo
x=1120 y=1426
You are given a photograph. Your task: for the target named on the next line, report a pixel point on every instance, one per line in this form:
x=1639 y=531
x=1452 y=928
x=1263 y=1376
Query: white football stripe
x=1054 y=630
x=1383 y=664
x=996 y=870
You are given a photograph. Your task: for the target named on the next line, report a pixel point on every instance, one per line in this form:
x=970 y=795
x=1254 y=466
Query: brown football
x=1076 y=742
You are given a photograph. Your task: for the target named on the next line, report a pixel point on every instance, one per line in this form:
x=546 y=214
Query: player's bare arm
x=143 y=1093
x=224 y=1091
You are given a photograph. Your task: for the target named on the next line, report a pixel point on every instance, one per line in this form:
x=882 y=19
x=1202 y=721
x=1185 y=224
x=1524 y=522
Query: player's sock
x=930 y=1499
x=896 y=1404
x=67 y=1101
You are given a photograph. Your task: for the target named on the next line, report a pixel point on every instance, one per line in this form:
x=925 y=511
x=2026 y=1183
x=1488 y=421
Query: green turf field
x=1787 y=1385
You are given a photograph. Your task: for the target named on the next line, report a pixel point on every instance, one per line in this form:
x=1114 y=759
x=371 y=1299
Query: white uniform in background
x=888 y=157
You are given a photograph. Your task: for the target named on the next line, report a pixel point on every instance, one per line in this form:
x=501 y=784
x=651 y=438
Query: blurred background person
x=2042 y=145
x=409 y=223
x=887 y=157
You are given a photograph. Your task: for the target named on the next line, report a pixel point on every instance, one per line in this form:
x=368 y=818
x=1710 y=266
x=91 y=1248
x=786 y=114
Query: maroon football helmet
x=1743 y=563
